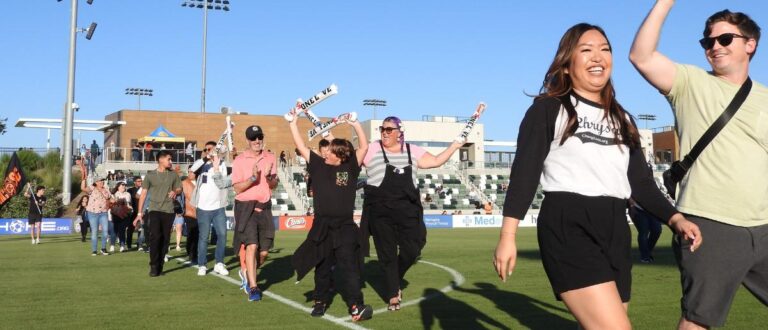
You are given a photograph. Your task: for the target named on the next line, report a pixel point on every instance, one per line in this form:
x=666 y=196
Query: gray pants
x=729 y=257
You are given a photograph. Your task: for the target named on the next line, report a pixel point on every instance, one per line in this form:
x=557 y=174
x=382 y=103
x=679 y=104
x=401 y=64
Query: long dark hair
x=117 y=186
x=558 y=84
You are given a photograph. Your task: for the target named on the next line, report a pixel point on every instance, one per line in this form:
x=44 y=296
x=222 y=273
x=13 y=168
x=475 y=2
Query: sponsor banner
x=48 y=226
x=438 y=221
x=476 y=221
x=296 y=222
x=491 y=221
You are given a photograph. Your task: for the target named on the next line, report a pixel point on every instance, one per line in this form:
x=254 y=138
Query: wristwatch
x=253 y=178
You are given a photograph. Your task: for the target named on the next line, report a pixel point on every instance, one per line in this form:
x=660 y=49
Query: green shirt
x=728 y=182
x=158 y=185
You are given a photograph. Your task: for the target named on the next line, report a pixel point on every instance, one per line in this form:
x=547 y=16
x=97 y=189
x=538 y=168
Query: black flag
x=14 y=181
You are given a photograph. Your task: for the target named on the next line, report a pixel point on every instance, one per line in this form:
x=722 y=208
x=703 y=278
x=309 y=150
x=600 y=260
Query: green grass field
x=58 y=284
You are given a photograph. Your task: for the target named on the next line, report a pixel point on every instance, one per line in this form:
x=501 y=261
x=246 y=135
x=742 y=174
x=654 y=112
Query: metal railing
x=140 y=155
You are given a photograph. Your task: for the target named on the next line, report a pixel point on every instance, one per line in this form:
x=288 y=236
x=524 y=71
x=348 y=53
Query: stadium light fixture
x=205 y=5
x=66 y=138
x=374 y=103
x=646 y=118
x=139 y=92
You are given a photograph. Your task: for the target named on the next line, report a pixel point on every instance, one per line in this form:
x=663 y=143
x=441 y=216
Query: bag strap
x=717 y=126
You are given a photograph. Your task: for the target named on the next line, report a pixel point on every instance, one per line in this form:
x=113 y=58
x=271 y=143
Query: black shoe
x=361 y=312
x=319 y=309
x=154 y=272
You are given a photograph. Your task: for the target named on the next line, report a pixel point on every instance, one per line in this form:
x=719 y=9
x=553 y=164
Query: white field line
x=339 y=321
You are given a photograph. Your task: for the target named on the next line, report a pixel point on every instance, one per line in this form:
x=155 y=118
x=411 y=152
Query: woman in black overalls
x=392 y=210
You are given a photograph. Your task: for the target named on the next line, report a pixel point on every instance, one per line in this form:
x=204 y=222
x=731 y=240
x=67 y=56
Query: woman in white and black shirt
x=584 y=149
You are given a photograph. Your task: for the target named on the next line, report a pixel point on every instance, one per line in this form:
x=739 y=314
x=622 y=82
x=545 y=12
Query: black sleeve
x=533 y=140
x=644 y=189
x=314 y=162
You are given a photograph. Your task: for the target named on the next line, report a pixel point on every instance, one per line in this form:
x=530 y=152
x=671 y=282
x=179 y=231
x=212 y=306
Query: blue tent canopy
x=161 y=134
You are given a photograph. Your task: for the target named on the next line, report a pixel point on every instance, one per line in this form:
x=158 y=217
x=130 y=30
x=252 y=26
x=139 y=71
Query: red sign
x=296 y=222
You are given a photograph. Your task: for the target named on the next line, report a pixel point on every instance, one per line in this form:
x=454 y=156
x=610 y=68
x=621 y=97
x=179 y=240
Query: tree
x=2 y=125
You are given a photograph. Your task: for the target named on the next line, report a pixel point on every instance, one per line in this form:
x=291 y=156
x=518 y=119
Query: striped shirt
x=375 y=166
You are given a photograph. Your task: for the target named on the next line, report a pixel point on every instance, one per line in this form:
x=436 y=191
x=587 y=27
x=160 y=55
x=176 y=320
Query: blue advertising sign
x=48 y=226
x=438 y=221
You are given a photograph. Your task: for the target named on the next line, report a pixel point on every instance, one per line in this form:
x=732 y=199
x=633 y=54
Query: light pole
x=138 y=92
x=66 y=189
x=205 y=5
x=374 y=103
x=646 y=117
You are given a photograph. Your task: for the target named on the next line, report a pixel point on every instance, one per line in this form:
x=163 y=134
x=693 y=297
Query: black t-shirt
x=334 y=186
x=40 y=202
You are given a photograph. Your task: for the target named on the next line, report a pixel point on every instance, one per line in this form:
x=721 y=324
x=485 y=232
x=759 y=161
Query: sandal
x=393 y=307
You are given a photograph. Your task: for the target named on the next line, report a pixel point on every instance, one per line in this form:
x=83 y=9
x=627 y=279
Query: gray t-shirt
x=158 y=185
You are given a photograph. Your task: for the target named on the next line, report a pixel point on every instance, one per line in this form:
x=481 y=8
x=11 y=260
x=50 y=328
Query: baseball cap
x=254 y=132
x=97 y=178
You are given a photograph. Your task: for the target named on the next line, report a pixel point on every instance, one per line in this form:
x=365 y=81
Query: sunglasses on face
x=724 y=40
x=257 y=138
x=388 y=130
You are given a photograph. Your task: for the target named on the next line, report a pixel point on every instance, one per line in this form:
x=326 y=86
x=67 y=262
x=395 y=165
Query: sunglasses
x=724 y=40
x=257 y=138
x=389 y=130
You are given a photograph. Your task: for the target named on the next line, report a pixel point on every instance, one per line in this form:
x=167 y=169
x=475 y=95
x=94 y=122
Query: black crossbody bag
x=679 y=168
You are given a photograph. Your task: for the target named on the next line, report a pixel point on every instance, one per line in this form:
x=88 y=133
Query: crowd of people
x=576 y=140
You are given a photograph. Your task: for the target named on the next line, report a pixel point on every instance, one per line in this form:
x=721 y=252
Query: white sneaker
x=141 y=249
x=166 y=258
x=37 y=241
x=202 y=270
x=33 y=241
x=220 y=269
x=122 y=249
x=178 y=248
x=111 y=248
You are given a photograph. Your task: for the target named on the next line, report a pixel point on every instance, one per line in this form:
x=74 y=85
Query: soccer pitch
x=58 y=284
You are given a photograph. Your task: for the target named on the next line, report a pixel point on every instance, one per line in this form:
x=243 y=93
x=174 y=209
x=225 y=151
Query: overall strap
x=384 y=153
x=408 y=147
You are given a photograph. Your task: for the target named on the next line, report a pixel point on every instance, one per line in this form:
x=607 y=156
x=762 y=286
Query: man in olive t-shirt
x=163 y=185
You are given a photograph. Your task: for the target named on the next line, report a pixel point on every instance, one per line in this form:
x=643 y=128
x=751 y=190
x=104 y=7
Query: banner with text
x=490 y=221
x=48 y=226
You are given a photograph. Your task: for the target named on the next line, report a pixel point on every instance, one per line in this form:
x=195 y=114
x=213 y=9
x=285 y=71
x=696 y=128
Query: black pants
x=392 y=229
x=159 y=233
x=84 y=229
x=193 y=234
x=129 y=231
x=120 y=228
x=344 y=255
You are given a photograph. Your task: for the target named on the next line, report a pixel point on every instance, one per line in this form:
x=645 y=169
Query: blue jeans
x=648 y=231
x=205 y=219
x=97 y=219
x=112 y=234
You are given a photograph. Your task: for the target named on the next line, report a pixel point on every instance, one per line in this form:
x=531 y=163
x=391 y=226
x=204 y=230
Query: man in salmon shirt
x=254 y=175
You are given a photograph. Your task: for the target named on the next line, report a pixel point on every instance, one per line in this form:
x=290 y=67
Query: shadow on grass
x=452 y=313
x=531 y=313
x=275 y=271
x=373 y=276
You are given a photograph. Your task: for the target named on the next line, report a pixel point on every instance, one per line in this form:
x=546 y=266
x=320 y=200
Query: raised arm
x=432 y=161
x=298 y=140
x=656 y=68
x=362 y=142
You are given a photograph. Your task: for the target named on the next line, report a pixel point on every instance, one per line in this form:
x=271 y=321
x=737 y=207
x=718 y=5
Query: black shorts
x=35 y=218
x=585 y=241
x=259 y=228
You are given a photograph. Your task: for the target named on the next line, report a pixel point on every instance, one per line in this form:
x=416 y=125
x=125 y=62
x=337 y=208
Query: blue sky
x=424 y=57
